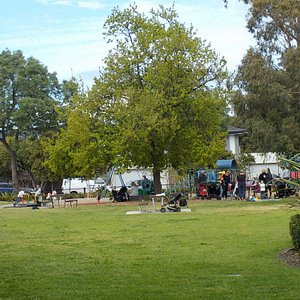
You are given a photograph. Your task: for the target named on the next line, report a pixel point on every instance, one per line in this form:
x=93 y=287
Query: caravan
x=79 y=185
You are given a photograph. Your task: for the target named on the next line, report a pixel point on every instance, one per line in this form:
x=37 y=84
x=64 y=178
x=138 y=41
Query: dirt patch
x=290 y=256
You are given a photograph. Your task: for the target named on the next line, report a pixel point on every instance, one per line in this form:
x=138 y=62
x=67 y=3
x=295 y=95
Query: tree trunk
x=14 y=172
x=156 y=181
x=13 y=163
x=32 y=179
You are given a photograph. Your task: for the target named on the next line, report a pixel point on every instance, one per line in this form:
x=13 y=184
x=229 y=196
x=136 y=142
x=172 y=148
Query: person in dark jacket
x=225 y=182
x=263 y=176
x=269 y=183
x=241 y=179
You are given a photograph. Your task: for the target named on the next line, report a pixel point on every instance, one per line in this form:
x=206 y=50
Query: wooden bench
x=71 y=201
x=43 y=202
x=46 y=203
x=62 y=199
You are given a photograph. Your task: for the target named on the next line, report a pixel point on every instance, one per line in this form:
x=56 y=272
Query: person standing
x=262 y=187
x=263 y=176
x=145 y=183
x=221 y=178
x=225 y=184
x=286 y=173
x=202 y=176
x=37 y=194
x=269 y=183
x=241 y=179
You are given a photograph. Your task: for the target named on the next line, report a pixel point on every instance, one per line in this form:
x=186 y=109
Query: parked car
x=6 y=187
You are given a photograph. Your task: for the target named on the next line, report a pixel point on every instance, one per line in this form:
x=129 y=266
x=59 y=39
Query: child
x=262 y=187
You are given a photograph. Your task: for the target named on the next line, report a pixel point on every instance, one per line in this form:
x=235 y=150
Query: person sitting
x=19 y=198
x=133 y=190
x=121 y=195
x=202 y=176
x=50 y=199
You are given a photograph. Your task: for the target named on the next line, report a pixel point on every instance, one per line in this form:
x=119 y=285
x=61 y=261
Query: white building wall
x=232 y=144
x=137 y=174
x=264 y=161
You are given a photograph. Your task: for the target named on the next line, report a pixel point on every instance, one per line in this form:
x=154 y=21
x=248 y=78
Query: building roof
x=235 y=130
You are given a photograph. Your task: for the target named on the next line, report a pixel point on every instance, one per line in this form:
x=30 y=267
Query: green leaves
x=294 y=226
x=25 y=97
x=162 y=79
x=267 y=102
x=158 y=100
x=28 y=108
x=275 y=24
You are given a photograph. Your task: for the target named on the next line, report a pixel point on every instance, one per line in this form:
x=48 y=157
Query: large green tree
x=268 y=97
x=158 y=100
x=27 y=102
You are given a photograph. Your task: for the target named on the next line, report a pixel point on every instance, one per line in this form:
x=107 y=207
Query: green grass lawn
x=222 y=250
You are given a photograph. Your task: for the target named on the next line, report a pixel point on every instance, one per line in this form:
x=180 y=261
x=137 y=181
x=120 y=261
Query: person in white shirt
x=133 y=190
x=262 y=187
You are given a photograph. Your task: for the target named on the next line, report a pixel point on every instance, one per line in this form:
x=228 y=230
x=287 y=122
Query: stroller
x=202 y=190
x=214 y=190
x=121 y=195
x=283 y=190
x=174 y=204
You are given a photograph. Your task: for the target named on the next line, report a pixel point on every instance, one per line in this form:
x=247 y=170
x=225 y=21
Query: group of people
x=134 y=187
x=235 y=186
x=265 y=183
x=225 y=180
x=238 y=186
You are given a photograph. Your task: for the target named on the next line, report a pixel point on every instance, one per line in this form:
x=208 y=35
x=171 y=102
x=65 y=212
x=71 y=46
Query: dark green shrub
x=295 y=230
x=75 y=195
x=7 y=197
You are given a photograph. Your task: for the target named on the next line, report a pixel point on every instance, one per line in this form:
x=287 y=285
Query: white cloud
x=55 y=2
x=90 y=4
x=75 y=44
x=225 y=29
x=62 y=2
x=44 y=2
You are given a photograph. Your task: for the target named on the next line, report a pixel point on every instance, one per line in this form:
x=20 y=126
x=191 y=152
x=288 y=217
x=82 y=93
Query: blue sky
x=66 y=35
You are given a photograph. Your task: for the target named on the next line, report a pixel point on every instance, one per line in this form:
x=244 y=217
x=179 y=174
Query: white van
x=79 y=185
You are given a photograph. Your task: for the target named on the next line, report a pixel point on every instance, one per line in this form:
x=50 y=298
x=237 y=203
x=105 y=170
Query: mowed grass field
x=221 y=250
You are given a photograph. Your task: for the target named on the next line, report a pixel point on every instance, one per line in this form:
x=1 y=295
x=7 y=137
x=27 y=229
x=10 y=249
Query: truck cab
x=79 y=185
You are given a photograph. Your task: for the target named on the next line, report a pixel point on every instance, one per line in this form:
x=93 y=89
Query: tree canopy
x=159 y=100
x=28 y=103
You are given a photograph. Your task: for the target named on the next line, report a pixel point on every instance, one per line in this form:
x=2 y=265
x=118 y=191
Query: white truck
x=79 y=185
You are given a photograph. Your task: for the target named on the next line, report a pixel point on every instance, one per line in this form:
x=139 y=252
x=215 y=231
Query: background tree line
x=32 y=108
x=267 y=98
